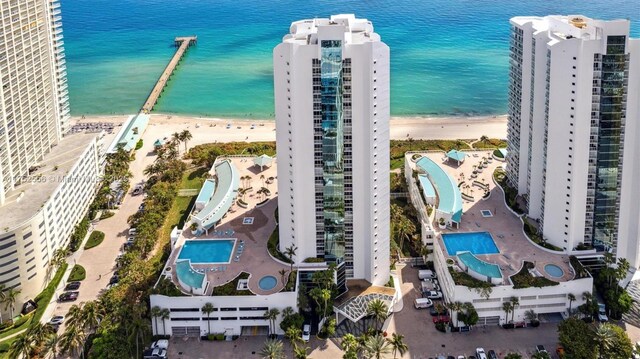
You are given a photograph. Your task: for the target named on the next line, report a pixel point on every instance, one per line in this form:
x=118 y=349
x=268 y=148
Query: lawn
x=524 y=279
x=78 y=273
x=42 y=301
x=94 y=240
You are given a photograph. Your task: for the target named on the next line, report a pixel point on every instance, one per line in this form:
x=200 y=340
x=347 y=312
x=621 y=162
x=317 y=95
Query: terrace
x=484 y=210
x=237 y=241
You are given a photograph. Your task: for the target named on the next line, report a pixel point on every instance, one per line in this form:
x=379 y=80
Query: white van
x=422 y=303
x=132 y=231
x=426 y=273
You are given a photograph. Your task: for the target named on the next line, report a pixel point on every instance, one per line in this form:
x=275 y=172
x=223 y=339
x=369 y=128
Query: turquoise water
x=447 y=56
x=267 y=282
x=553 y=270
x=203 y=251
x=479 y=266
x=474 y=242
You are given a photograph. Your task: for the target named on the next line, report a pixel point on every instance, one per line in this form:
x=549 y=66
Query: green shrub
x=272 y=246
x=462 y=278
x=524 y=279
x=78 y=273
x=106 y=214
x=139 y=144
x=78 y=234
x=498 y=153
x=231 y=287
x=94 y=240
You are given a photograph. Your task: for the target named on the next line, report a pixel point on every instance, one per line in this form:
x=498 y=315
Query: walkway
x=184 y=43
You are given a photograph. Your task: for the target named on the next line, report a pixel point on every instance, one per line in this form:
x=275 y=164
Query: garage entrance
x=489 y=321
x=193 y=332
x=255 y=330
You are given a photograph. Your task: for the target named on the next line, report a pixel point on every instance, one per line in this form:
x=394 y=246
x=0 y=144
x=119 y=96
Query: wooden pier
x=182 y=43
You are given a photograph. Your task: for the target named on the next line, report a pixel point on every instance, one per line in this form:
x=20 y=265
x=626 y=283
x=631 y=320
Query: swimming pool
x=207 y=251
x=553 y=270
x=474 y=242
x=267 y=282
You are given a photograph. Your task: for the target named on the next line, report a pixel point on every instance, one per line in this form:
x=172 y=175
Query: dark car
x=434 y=312
x=114 y=279
x=68 y=296
x=492 y=354
x=72 y=286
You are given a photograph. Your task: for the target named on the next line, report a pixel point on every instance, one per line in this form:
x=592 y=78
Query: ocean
x=448 y=57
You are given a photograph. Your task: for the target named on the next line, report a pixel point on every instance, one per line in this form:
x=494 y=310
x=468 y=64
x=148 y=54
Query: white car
x=57 y=320
x=306 y=332
x=602 y=313
x=434 y=295
x=480 y=354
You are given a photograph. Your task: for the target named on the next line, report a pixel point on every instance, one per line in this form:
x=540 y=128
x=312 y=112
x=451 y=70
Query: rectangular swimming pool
x=207 y=251
x=474 y=242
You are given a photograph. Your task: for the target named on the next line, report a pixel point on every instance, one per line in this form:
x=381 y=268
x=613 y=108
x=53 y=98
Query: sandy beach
x=206 y=130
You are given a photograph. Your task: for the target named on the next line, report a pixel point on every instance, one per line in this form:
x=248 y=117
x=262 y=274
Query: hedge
x=78 y=273
x=139 y=144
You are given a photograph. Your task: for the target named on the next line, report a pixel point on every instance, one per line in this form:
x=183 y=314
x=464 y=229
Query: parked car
x=56 y=320
x=422 y=303
x=541 y=349
x=434 y=312
x=602 y=313
x=68 y=296
x=154 y=353
x=461 y=357
x=162 y=344
x=130 y=240
x=434 y=295
x=426 y=273
x=480 y=354
x=132 y=231
x=114 y=279
x=492 y=355
x=72 y=286
x=441 y=319
x=137 y=190
x=306 y=332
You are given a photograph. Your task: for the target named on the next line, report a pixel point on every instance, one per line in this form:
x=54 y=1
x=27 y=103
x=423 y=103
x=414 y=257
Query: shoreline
x=400 y=128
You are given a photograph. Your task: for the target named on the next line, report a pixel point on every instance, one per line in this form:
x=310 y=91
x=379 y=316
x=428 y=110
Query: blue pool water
x=553 y=270
x=207 y=251
x=267 y=282
x=474 y=242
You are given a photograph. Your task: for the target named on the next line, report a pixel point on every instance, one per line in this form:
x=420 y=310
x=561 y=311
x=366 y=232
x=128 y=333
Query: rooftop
x=456 y=155
x=357 y=31
x=224 y=193
x=26 y=199
x=130 y=133
x=564 y=27
x=427 y=187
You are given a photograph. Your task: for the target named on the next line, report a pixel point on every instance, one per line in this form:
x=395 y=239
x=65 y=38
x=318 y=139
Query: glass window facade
x=610 y=128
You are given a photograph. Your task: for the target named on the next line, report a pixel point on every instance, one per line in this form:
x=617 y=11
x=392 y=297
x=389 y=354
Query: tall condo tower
x=573 y=100
x=34 y=109
x=332 y=130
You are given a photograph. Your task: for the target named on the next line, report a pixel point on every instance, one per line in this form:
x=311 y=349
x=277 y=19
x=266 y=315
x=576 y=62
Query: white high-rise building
x=34 y=108
x=47 y=179
x=332 y=130
x=573 y=127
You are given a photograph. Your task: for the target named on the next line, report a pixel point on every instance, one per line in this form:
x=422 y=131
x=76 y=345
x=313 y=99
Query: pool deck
x=505 y=227
x=255 y=258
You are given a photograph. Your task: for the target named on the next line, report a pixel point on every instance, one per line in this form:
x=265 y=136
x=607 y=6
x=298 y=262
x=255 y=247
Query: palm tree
x=207 y=309
x=378 y=310
x=164 y=315
x=175 y=139
x=397 y=344
x=531 y=316
x=294 y=334
x=325 y=295
x=455 y=307
x=38 y=332
x=376 y=346
x=51 y=345
x=515 y=302
x=507 y=307
x=350 y=345
x=287 y=312
x=72 y=341
x=571 y=298
x=272 y=316
x=2 y=299
x=290 y=252
x=272 y=349
x=439 y=309
x=155 y=313
x=300 y=352
x=21 y=347
x=92 y=314
x=74 y=315
x=185 y=136
x=605 y=338
x=10 y=299
x=283 y=274
x=588 y=298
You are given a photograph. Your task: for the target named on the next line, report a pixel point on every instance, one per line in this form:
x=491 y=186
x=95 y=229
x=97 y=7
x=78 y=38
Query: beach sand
x=207 y=130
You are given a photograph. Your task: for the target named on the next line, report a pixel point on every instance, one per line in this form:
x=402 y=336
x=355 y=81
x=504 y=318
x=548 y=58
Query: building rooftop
x=228 y=181
x=130 y=133
x=456 y=155
x=565 y=27
x=427 y=187
x=449 y=196
x=357 y=31
x=26 y=199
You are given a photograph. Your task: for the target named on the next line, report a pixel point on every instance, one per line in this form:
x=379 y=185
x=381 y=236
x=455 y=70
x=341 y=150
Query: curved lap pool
x=553 y=270
x=267 y=282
